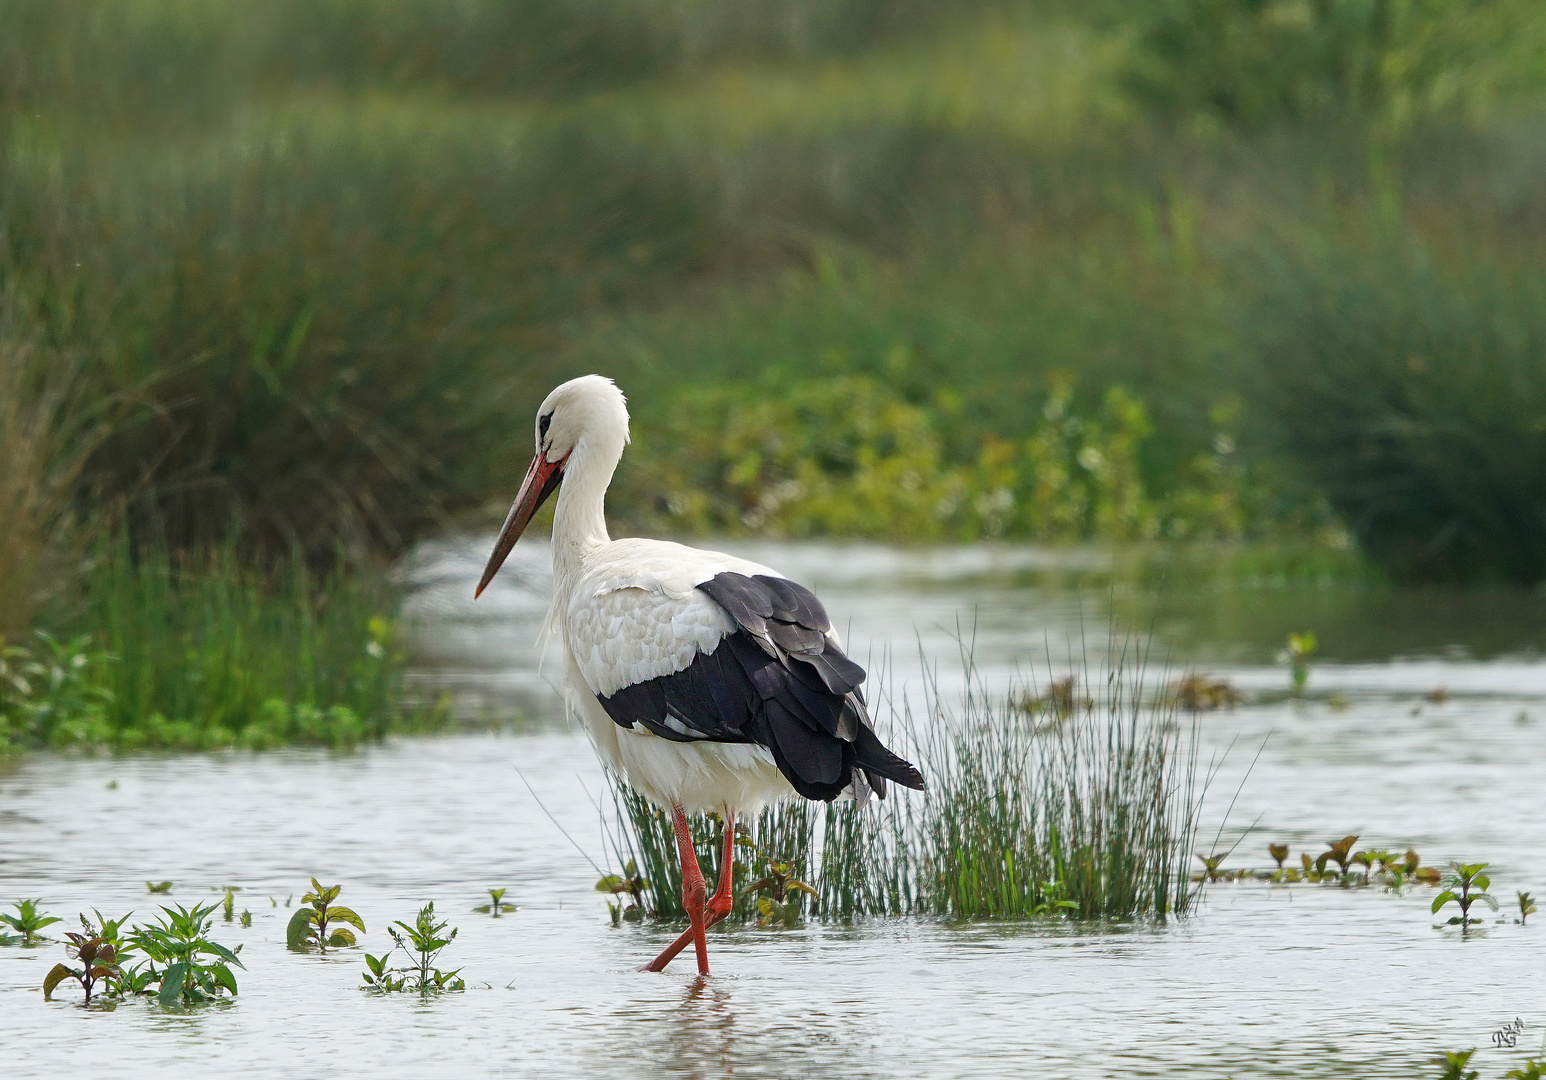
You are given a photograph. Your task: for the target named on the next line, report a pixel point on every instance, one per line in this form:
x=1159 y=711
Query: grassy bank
x=201 y=651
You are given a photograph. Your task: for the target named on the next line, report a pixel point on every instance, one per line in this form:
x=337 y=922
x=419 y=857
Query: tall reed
x=1086 y=806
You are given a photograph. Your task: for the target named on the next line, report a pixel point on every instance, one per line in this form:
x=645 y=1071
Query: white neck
x=579 y=519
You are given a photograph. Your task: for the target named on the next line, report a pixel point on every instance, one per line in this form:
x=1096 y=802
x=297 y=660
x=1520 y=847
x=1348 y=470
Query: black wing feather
x=777 y=681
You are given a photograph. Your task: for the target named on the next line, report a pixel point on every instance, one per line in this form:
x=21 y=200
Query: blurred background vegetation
x=281 y=282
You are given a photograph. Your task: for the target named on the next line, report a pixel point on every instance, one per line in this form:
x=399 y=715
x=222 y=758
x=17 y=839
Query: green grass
x=1088 y=810
x=204 y=651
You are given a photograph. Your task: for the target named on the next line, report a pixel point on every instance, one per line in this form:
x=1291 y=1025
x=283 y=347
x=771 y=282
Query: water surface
x=1259 y=981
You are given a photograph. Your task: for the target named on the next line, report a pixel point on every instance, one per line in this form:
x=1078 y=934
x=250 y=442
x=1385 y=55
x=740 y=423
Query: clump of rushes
x=422 y=944
x=98 y=960
x=496 y=905
x=27 y=921
x=1464 y=885
x=1526 y=906
x=781 y=904
x=309 y=926
x=1301 y=647
x=178 y=943
x=630 y=883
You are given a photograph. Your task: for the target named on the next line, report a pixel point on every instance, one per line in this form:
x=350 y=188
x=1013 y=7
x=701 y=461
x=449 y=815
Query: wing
x=740 y=658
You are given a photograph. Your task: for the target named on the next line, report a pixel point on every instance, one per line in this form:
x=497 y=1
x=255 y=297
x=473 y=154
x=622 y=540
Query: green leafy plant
x=1301 y=647
x=1526 y=906
x=630 y=883
x=1279 y=852
x=49 y=693
x=1211 y=865
x=98 y=959
x=158 y=886
x=1454 y=1063
x=422 y=944
x=1464 y=885
x=175 y=948
x=780 y=904
x=1530 y=1070
x=27 y=921
x=1339 y=852
x=496 y=905
x=311 y=925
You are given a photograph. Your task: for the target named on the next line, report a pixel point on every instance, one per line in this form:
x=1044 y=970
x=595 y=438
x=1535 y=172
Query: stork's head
x=582 y=425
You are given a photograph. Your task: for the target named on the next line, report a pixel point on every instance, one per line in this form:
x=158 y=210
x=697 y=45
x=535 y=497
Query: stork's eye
x=542 y=426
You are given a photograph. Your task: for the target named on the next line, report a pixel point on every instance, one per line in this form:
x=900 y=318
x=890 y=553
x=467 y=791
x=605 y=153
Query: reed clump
x=1088 y=812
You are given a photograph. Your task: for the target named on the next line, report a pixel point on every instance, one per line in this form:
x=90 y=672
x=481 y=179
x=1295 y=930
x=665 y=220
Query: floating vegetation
x=158 y=886
x=311 y=925
x=422 y=944
x=1202 y=693
x=1090 y=816
x=27 y=921
x=496 y=905
x=779 y=892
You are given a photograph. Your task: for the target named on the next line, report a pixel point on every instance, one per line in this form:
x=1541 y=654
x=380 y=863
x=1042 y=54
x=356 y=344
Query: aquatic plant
x=312 y=923
x=1454 y=1063
x=496 y=905
x=1279 y=852
x=98 y=959
x=1532 y=1069
x=1526 y=906
x=1297 y=654
x=780 y=903
x=158 y=886
x=27 y=921
x=421 y=944
x=1339 y=852
x=1211 y=865
x=1465 y=884
x=1201 y=693
x=175 y=948
x=629 y=883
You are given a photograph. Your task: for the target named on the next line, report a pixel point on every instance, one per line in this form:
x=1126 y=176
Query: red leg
x=694 y=899
x=719 y=904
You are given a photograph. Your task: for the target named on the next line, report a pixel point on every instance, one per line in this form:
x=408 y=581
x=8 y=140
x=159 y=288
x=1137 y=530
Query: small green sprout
x=783 y=906
x=246 y=917
x=631 y=882
x=1339 y=852
x=1464 y=885
x=422 y=944
x=309 y=925
x=1300 y=648
x=1279 y=852
x=1211 y=865
x=158 y=886
x=496 y=904
x=1455 y=1063
x=98 y=959
x=1526 y=906
x=27 y=921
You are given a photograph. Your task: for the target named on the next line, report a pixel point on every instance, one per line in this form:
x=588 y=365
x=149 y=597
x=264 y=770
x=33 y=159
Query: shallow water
x=1259 y=981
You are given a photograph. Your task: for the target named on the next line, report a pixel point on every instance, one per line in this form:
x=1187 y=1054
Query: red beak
x=542 y=479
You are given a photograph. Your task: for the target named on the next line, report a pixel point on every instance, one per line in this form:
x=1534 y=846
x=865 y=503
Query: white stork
x=709 y=682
